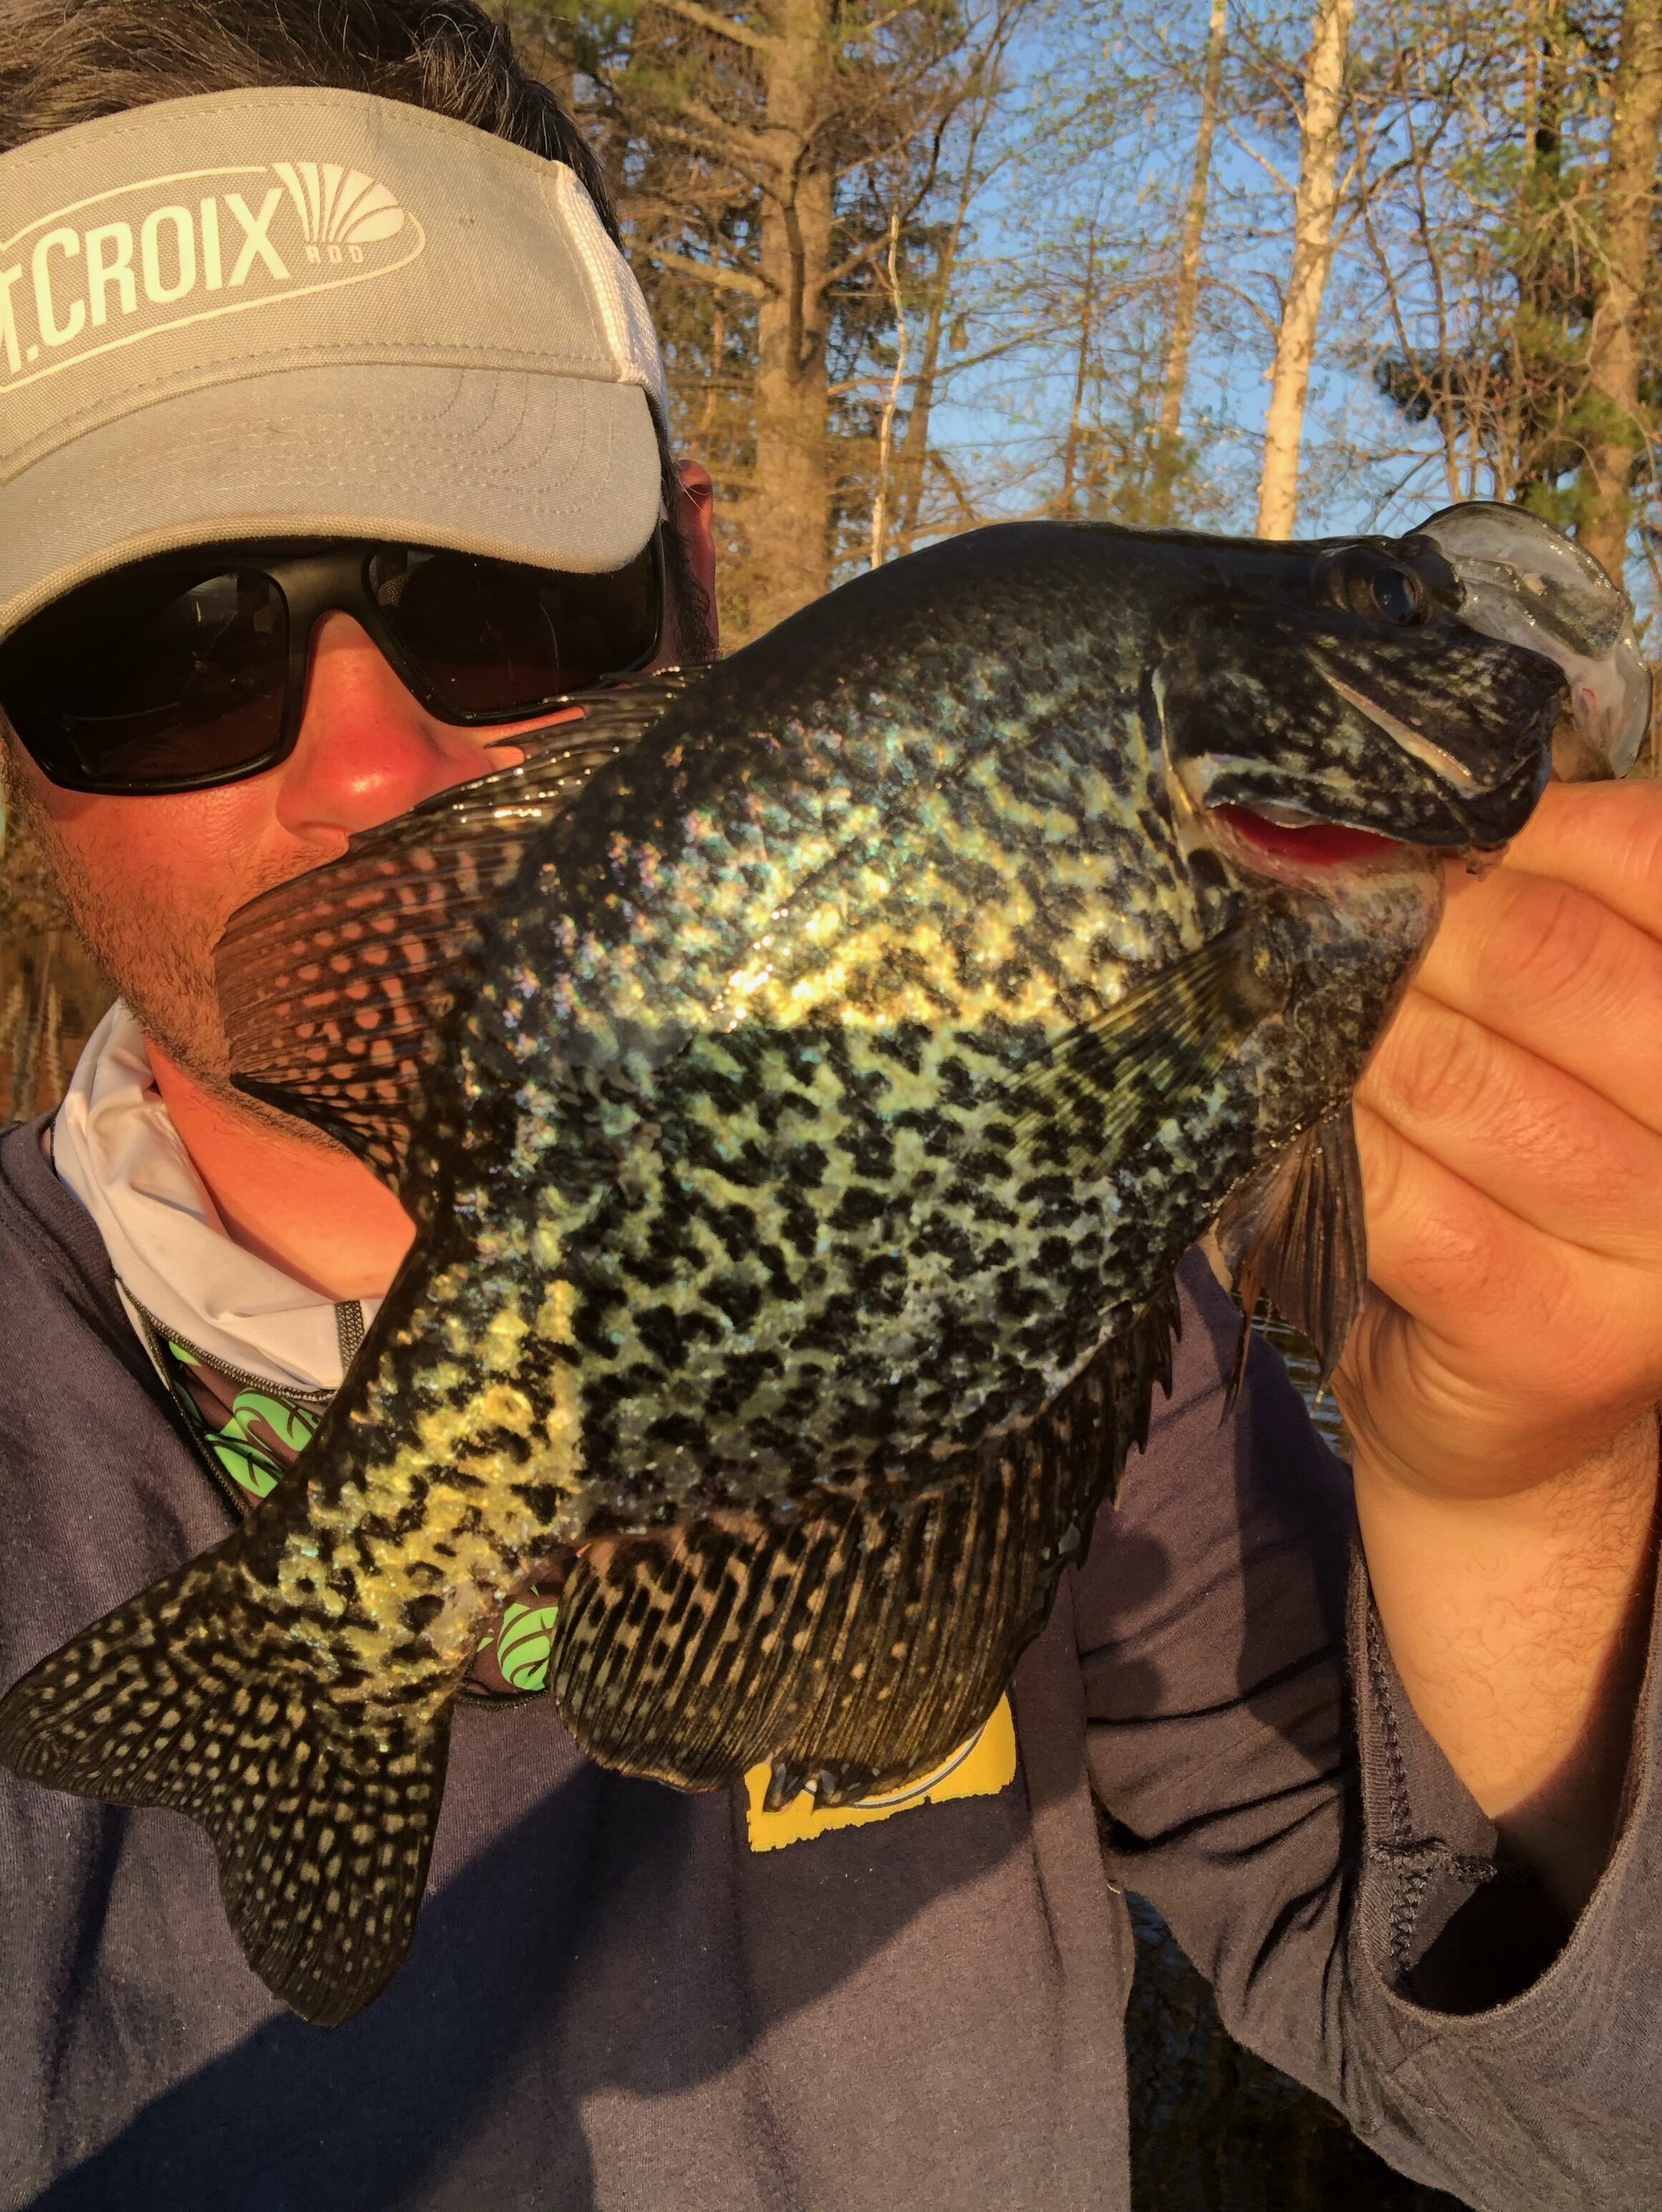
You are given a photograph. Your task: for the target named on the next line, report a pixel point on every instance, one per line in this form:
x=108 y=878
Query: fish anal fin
x=787 y=1778
x=845 y=1782
x=1295 y=1232
x=1076 y=1100
x=334 y=985
x=852 y=1640
x=192 y=1697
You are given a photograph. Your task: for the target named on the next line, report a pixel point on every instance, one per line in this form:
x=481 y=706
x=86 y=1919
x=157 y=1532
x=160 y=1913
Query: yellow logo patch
x=980 y=1768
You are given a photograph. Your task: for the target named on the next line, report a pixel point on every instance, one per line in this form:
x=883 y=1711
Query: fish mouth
x=1286 y=836
x=1277 y=836
x=1331 y=816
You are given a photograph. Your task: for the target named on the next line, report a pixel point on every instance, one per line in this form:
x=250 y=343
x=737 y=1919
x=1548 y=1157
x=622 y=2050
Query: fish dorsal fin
x=1294 y=1233
x=1076 y=1102
x=333 y=984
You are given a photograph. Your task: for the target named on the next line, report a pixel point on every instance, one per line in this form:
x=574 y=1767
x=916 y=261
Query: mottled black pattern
x=761 y=1296
x=801 y=1160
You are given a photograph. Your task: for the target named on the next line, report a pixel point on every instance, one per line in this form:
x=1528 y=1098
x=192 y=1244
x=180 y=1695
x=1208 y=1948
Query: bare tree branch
x=722 y=26
x=707 y=272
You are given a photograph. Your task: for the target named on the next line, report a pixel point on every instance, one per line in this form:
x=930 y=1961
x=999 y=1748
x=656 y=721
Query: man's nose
x=367 y=749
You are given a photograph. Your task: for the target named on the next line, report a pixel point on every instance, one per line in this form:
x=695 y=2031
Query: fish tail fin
x=196 y=1695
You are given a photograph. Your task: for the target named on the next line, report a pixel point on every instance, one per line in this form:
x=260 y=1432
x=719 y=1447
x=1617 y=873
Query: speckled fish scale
x=805 y=1080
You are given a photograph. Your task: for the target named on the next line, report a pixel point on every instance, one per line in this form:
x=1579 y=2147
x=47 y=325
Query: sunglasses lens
x=494 y=639
x=152 y=677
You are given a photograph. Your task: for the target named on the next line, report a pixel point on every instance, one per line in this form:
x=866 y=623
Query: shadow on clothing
x=1214 y=2129
x=665 y=1974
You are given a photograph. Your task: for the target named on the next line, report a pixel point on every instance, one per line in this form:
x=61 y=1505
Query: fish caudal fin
x=192 y=1696
x=1294 y=1233
x=854 y=1642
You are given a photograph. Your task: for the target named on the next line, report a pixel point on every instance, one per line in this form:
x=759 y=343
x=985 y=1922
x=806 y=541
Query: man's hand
x=1500 y=1388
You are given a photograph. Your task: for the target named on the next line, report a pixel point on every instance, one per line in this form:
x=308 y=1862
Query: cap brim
x=557 y=471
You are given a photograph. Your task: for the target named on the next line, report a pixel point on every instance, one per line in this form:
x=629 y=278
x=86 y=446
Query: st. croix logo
x=129 y=263
x=341 y=211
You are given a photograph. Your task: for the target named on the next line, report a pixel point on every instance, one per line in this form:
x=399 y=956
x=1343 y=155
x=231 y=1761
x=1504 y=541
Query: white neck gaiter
x=114 y=1145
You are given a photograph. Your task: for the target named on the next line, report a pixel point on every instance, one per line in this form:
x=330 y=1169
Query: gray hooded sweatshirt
x=614 y=2000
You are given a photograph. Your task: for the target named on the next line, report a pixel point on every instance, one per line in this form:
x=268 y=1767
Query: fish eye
x=1366 y=583
x=1397 y=595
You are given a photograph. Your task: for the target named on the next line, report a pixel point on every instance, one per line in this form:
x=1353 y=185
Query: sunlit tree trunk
x=1314 y=205
x=1184 y=308
x=752 y=141
x=1541 y=338
x=1074 y=446
x=912 y=461
x=881 y=503
x=787 y=519
x=1622 y=284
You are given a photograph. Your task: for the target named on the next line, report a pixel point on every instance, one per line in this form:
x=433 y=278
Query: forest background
x=1270 y=265
x=1240 y=264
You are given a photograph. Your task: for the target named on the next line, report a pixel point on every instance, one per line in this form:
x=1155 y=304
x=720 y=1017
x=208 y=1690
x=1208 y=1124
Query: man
x=290 y=311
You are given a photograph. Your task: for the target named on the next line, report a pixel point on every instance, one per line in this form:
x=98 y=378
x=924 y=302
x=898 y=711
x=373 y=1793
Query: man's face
x=152 y=881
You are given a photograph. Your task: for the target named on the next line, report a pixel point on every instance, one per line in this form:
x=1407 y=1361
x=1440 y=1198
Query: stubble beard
x=158 y=956
x=156 y=959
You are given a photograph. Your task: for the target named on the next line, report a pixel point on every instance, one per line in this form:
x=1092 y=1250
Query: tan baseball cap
x=301 y=313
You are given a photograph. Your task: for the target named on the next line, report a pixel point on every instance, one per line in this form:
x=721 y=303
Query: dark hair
x=65 y=62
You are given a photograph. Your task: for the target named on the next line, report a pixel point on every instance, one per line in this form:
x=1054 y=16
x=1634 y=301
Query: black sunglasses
x=189 y=669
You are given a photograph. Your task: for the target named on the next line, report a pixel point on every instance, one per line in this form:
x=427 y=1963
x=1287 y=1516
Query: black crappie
x=828 y=1089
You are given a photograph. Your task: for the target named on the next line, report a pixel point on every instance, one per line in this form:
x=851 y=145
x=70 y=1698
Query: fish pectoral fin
x=1079 y=1099
x=851 y=1641
x=334 y=985
x=1295 y=1232
x=192 y=1697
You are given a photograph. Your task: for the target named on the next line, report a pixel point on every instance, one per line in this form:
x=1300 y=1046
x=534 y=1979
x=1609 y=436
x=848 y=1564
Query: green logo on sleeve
x=524 y=1642
x=260 y=1438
